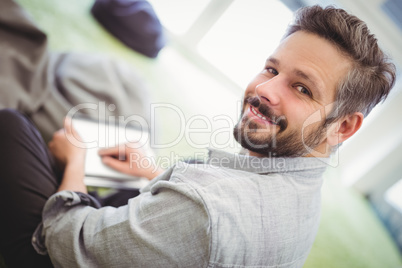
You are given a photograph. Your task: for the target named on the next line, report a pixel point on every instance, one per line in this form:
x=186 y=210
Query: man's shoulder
x=211 y=180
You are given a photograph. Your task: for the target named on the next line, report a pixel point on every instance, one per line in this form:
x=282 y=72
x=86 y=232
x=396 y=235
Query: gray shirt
x=235 y=211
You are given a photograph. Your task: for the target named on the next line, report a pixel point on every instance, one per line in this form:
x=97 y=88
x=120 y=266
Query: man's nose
x=272 y=91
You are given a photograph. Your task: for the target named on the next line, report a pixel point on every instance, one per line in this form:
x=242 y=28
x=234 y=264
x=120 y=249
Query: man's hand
x=129 y=160
x=69 y=151
x=66 y=145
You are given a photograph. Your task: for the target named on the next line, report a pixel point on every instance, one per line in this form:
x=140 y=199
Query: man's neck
x=316 y=152
x=251 y=153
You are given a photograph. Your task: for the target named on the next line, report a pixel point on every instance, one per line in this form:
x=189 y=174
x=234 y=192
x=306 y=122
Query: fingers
x=115 y=164
x=68 y=128
x=68 y=125
x=57 y=136
x=113 y=151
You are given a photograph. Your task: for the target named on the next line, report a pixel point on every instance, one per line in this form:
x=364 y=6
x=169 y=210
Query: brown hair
x=372 y=74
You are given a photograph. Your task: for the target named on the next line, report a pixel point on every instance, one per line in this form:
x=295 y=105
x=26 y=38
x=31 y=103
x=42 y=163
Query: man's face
x=298 y=79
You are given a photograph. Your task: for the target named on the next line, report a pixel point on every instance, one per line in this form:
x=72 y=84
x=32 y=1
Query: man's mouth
x=257 y=113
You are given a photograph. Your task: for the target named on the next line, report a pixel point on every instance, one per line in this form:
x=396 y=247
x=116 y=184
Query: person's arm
x=128 y=159
x=70 y=156
x=167 y=226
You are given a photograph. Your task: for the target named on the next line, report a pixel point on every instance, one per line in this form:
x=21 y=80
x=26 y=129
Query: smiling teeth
x=258 y=114
x=261 y=116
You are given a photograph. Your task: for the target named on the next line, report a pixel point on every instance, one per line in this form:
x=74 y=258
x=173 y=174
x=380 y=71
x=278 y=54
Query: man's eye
x=303 y=90
x=272 y=71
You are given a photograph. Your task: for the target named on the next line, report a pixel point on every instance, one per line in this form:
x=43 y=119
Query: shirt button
x=34 y=239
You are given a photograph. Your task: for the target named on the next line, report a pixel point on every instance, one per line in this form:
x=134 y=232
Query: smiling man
x=246 y=210
x=300 y=78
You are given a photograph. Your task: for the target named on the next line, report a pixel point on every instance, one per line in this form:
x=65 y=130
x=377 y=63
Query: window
x=394 y=195
x=235 y=36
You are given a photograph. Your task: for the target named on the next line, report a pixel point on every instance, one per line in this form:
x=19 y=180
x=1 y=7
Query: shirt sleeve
x=165 y=226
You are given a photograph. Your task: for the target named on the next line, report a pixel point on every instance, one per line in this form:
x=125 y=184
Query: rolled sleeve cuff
x=55 y=206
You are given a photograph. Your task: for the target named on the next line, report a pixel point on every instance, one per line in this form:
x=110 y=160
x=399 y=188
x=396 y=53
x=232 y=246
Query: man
x=260 y=209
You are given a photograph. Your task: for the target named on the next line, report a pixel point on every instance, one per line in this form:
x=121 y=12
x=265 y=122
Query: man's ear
x=344 y=128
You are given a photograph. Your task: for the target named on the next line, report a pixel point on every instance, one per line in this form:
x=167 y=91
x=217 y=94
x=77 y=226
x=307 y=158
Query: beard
x=267 y=140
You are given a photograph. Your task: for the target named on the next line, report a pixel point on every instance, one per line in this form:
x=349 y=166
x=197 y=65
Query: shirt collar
x=264 y=165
